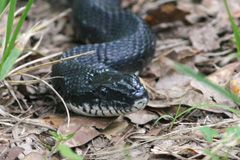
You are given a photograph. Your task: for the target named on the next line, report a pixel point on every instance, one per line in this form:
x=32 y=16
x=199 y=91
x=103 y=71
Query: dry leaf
x=167 y=12
x=53 y=120
x=173 y=85
x=34 y=156
x=204 y=38
x=11 y=154
x=221 y=78
x=234 y=85
x=84 y=129
x=142 y=117
x=115 y=128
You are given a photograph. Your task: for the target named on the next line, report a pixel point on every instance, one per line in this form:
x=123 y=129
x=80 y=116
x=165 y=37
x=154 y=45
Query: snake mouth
x=140 y=104
x=108 y=110
x=95 y=111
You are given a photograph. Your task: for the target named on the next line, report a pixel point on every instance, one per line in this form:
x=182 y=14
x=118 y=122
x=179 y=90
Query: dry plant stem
x=6 y=114
x=7 y=124
x=178 y=156
x=13 y=119
x=20 y=70
x=13 y=93
x=33 y=62
x=174 y=45
x=45 y=24
x=29 y=53
x=18 y=121
x=161 y=56
x=53 y=150
x=125 y=136
x=4 y=150
x=26 y=120
x=60 y=97
x=88 y=149
x=19 y=11
x=218 y=54
x=27 y=82
x=195 y=156
x=3 y=113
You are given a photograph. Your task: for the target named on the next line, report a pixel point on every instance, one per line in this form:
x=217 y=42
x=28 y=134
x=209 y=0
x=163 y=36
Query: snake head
x=104 y=92
x=121 y=93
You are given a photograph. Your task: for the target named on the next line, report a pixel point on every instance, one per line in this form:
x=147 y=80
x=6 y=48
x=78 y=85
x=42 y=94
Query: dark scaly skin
x=100 y=84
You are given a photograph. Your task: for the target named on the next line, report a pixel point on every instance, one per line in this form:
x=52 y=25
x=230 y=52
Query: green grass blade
x=3 y=4
x=66 y=152
x=188 y=71
x=17 y=29
x=225 y=107
x=9 y=62
x=2 y=42
x=21 y=21
x=209 y=134
x=10 y=21
x=236 y=31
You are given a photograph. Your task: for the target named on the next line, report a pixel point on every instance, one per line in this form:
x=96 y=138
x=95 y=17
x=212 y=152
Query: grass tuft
x=10 y=50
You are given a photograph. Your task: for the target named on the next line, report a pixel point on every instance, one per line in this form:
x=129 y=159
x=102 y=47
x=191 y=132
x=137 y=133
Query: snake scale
x=103 y=83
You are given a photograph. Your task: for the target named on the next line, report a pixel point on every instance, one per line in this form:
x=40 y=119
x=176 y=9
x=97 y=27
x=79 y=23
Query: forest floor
x=185 y=119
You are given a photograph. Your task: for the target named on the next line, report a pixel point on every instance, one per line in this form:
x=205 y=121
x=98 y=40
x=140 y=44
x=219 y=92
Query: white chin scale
x=139 y=104
x=96 y=111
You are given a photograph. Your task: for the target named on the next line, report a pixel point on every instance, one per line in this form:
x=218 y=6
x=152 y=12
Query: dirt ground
x=196 y=33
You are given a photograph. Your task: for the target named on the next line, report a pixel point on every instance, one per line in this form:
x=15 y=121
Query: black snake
x=103 y=83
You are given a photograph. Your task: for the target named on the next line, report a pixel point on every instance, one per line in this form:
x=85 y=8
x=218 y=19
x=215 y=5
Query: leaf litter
x=195 y=33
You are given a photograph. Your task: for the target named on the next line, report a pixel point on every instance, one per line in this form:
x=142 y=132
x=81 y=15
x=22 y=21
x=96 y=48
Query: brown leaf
x=167 y=12
x=142 y=117
x=115 y=128
x=53 y=120
x=204 y=38
x=190 y=98
x=173 y=85
x=223 y=75
x=234 y=85
x=11 y=154
x=221 y=78
x=84 y=129
x=34 y=156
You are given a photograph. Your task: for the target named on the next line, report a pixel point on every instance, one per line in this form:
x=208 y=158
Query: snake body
x=103 y=83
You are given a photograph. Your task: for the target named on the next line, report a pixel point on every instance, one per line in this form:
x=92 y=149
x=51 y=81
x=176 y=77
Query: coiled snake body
x=101 y=84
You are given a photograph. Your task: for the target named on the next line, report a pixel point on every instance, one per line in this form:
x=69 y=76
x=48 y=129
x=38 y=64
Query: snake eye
x=103 y=91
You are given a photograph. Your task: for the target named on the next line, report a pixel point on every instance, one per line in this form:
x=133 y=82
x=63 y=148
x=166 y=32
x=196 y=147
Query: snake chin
x=118 y=94
x=88 y=109
x=140 y=103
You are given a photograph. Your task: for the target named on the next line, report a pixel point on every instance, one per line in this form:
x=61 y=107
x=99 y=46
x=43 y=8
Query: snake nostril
x=103 y=92
x=138 y=94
